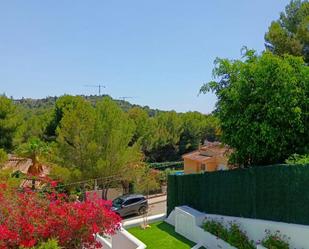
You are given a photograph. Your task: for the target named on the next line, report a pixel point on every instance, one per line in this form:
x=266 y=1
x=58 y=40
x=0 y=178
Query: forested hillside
x=160 y=135
x=50 y=102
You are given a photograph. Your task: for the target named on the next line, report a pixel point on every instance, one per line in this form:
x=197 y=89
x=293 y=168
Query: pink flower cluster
x=28 y=218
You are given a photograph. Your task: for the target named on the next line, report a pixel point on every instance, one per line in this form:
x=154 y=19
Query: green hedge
x=278 y=193
x=167 y=165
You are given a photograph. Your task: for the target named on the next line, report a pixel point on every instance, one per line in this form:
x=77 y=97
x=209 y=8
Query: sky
x=158 y=52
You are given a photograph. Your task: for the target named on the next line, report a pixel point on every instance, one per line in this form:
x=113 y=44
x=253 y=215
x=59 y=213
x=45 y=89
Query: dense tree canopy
x=8 y=123
x=3 y=157
x=41 y=118
x=290 y=34
x=34 y=122
x=144 y=128
x=165 y=140
x=96 y=140
x=89 y=137
x=263 y=106
x=168 y=135
x=196 y=129
x=62 y=104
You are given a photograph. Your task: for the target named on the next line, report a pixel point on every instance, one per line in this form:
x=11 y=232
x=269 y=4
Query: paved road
x=157 y=205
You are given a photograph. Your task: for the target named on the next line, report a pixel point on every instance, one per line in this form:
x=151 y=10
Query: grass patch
x=161 y=235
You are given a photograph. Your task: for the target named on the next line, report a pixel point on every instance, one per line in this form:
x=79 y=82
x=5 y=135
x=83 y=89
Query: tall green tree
x=263 y=106
x=34 y=123
x=9 y=121
x=196 y=129
x=144 y=128
x=165 y=141
x=77 y=147
x=191 y=136
x=64 y=103
x=290 y=34
x=95 y=140
x=211 y=129
x=114 y=132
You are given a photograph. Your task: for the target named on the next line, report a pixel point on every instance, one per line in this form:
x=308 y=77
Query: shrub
x=29 y=218
x=238 y=238
x=50 y=244
x=275 y=240
x=298 y=159
x=234 y=236
x=216 y=228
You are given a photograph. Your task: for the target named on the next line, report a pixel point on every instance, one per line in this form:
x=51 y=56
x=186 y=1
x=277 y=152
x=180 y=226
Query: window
x=132 y=201
x=203 y=167
x=118 y=202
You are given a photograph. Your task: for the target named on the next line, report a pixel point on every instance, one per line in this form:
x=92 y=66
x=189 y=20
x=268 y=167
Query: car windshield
x=118 y=202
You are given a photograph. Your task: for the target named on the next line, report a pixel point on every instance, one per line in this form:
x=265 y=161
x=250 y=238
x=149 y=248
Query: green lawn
x=161 y=236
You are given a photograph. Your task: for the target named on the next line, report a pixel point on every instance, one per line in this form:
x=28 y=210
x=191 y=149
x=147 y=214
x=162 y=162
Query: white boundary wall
x=121 y=240
x=105 y=242
x=139 y=221
x=187 y=221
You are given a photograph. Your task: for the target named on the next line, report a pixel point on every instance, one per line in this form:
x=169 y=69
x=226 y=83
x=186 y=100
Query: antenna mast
x=99 y=86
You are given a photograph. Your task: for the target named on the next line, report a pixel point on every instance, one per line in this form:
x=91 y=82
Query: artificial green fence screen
x=278 y=193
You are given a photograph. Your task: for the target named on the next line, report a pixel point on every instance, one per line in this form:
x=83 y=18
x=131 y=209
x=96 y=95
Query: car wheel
x=142 y=210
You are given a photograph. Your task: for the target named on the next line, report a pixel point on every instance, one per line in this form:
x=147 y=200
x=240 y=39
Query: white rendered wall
x=121 y=240
x=183 y=218
x=186 y=223
x=299 y=234
x=140 y=221
x=104 y=242
x=125 y=240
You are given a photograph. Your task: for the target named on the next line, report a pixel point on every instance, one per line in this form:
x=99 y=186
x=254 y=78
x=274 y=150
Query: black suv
x=130 y=204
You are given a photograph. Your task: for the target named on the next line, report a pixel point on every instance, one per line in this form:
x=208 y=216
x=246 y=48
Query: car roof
x=126 y=197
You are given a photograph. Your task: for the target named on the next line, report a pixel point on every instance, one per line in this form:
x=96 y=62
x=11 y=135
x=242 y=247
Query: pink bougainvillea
x=28 y=218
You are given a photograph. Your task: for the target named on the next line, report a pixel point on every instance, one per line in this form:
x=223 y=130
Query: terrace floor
x=161 y=235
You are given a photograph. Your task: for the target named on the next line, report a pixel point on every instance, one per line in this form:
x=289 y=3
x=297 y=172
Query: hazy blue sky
x=160 y=51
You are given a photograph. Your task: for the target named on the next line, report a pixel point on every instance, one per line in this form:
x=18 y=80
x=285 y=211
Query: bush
x=50 y=244
x=234 y=236
x=216 y=228
x=298 y=159
x=29 y=218
x=275 y=241
x=238 y=238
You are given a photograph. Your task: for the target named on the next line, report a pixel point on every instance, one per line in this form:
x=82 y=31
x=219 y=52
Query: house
x=210 y=157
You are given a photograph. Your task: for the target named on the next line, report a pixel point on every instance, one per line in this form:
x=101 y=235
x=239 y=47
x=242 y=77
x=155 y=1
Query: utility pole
x=99 y=86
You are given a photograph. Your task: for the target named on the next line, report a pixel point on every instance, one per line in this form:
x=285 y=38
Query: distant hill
x=49 y=102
